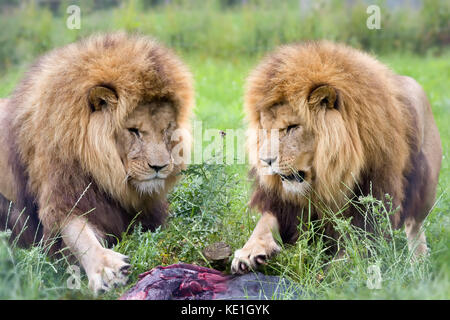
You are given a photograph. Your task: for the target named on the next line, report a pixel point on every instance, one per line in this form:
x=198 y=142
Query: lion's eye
x=135 y=131
x=169 y=128
x=291 y=127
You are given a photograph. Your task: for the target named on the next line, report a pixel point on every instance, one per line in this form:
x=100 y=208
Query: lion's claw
x=261 y=259
x=249 y=259
x=126 y=269
x=111 y=270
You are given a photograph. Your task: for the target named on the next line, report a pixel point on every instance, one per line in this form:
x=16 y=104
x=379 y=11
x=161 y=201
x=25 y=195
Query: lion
x=92 y=139
x=335 y=124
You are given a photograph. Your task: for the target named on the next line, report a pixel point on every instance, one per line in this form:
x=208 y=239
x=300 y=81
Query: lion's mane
x=368 y=143
x=47 y=120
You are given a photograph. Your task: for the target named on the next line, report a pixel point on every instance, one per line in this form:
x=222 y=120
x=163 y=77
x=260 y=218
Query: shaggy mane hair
x=53 y=154
x=370 y=138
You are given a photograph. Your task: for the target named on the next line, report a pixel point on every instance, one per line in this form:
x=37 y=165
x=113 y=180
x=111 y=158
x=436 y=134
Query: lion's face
x=145 y=145
x=285 y=150
x=308 y=93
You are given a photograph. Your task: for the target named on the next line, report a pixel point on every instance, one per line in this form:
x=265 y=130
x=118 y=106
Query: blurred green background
x=226 y=28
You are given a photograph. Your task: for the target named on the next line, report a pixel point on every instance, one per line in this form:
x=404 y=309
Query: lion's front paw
x=253 y=255
x=109 y=270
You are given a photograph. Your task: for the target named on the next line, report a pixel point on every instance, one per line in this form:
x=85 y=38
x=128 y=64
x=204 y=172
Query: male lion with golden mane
x=337 y=124
x=94 y=135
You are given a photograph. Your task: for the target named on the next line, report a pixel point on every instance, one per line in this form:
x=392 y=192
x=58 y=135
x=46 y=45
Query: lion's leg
x=415 y=235
x=104 y=267
x=260 y=246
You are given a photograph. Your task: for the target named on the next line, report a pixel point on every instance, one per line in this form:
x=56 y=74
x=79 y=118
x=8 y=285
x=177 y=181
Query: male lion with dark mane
x=337 y=125
x=94 y=135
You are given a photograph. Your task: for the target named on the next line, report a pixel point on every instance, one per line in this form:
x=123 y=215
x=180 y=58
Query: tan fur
x=72 y=125
x=355 y=123
x=7 y=180
x=259 y=247
x=137 y=78
x=341 y=137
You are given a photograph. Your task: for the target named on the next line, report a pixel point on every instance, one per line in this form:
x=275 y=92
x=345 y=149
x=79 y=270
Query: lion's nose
x=157 y=168
x=269 y=161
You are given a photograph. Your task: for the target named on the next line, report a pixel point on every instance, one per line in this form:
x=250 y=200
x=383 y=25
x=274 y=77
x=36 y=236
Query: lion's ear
x=100 y=97
x=324 y=96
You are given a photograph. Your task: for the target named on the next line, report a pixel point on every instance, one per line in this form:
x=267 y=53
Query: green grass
x=210 y=204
